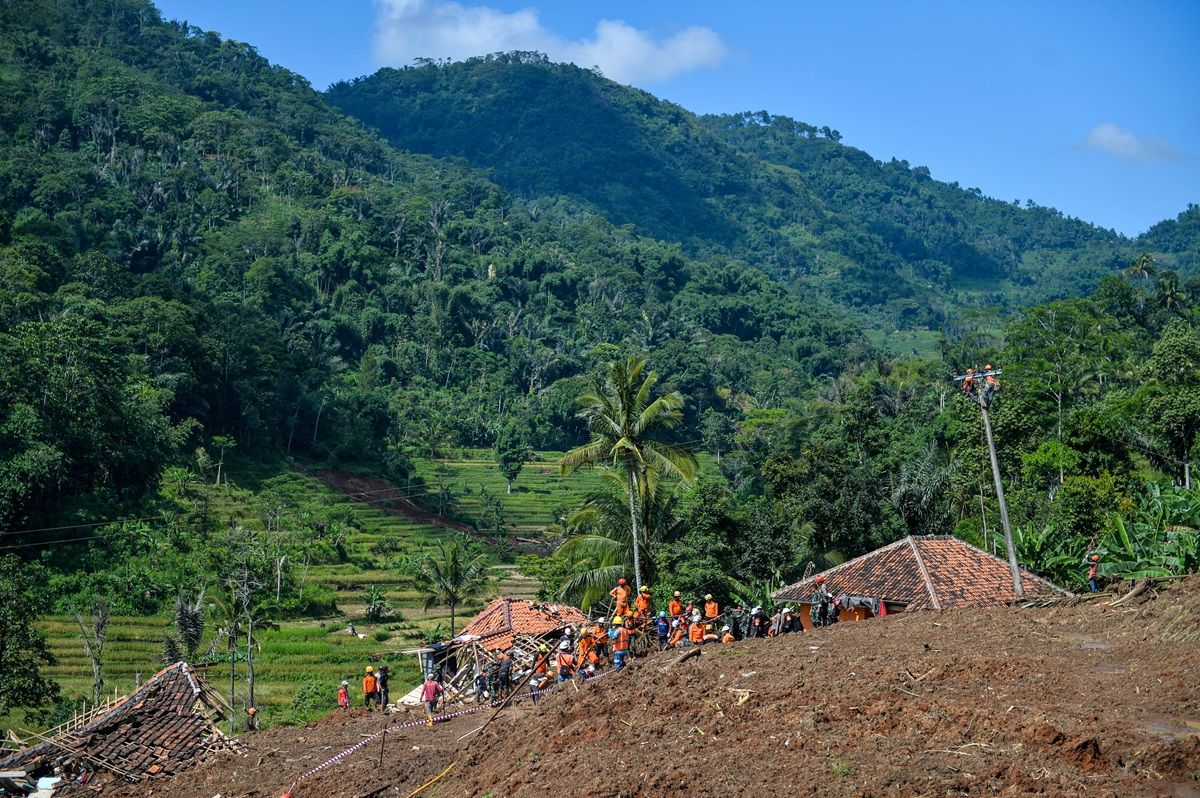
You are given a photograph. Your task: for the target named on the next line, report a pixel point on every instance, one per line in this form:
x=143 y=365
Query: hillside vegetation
x=225 y=305
x=788 y=197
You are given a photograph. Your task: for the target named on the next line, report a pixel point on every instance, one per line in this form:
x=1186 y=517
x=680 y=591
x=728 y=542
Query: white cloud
x=408 y=29
x=1127 y=145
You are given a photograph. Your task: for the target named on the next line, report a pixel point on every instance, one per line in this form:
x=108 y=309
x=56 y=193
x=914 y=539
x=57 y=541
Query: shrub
x=382 y=635
x=313 y=600
x=312 y=700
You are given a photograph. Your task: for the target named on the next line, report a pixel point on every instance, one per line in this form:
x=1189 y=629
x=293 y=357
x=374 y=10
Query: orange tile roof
x=924 y=572
x=508 y=617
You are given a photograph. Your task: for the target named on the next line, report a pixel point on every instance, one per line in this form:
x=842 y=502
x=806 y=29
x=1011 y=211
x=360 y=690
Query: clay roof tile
x=924 y=572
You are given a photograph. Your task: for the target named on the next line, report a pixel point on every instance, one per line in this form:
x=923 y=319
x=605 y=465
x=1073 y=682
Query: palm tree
x=451 y=576
x=599 y=540
x=1143 y=266
x=1168 y=294
x=623 y=419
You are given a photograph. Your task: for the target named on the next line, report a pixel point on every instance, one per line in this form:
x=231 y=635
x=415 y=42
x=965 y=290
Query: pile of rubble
x=161 y=729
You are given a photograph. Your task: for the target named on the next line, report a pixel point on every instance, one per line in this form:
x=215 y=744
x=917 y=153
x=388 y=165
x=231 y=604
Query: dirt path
x=1089 y=700
x=387 y=497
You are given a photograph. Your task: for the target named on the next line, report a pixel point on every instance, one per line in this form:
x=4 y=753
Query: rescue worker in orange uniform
x=696 y=633
x=675 y=608
x=641 y=604
x=541 y=678
x=584 y=649
x=620 y=595
x=370 y=688
x=990 y=385
x=619 y=635
x=969 y=381
x=564 y=662
x=711 y=609
x=726 y=635
x=600 y=647
x=678 y=630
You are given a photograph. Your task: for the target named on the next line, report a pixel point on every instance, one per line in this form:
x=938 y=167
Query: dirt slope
x=1088 y=700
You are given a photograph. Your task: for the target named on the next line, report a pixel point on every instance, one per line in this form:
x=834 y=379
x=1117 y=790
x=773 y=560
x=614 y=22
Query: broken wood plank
x=694 y=651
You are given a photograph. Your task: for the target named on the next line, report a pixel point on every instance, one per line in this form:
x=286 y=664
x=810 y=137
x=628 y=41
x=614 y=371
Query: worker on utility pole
x=984 y=396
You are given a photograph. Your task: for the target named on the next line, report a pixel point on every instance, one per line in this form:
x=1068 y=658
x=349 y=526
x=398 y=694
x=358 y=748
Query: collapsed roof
x=924 y=572
x=161 y=728
x=505 y=619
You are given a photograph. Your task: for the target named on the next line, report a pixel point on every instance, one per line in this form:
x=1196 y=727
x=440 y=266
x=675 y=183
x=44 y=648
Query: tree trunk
x=451 y=621
x=317 y=423
x=633 y=526
x=232 y=669
x=250 y=654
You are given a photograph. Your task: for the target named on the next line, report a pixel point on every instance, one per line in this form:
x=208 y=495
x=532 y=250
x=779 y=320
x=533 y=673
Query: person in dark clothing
x=760 y=624
x=504 y=674
x=787 y=621
x=481 y=681
x=824 y=608
x=493 y=678
x=664 y=631
x=381 y=687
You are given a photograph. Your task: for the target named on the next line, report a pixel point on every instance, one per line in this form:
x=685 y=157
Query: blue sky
x=1091 y=107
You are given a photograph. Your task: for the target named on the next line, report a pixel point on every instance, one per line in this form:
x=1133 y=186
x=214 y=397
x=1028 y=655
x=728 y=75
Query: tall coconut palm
x=599 y=543
x=1143 y=266
x=623 y=421
x=451 y=576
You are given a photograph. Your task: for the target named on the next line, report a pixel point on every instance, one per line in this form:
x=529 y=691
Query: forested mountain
x=200 y=254
x=783 y=195
x=193 y=243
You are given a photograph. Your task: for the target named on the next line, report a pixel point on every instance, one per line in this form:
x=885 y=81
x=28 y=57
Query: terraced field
x=539 y=493
x=320 y=650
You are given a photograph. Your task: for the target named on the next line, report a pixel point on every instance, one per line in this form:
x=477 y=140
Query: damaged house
x=508 y=623
x=162 y=728
x=919 y=572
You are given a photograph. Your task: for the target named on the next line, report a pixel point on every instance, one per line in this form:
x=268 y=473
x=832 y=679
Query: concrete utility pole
x=983 y=397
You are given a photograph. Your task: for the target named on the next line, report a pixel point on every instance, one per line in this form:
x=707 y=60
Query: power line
x=83 y=526
x=49 y=542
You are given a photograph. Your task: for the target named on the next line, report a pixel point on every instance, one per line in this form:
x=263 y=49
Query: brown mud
x=1088 y=700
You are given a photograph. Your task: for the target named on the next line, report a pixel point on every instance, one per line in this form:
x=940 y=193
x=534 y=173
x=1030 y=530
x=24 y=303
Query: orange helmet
x=622 y=581
x=820 y=580
x=1095 y=558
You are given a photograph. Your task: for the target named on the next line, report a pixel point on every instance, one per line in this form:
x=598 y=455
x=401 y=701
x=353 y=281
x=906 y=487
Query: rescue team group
x=583 y=653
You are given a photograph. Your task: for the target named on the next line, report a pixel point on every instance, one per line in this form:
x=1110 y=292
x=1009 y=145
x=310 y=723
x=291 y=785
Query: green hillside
x=787 y=196
x=220 y=296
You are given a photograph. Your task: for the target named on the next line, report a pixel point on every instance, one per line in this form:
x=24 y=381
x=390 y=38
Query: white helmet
x=757 y=609
x=724 y=628
x=564 y=646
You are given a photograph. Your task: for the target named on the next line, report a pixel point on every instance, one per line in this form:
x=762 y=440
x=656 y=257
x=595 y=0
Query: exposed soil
x=393 y=500
x=388 y=497
x=1085 y=700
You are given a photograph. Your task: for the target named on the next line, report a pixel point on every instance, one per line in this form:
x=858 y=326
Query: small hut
x=508 y=623
x=928 y=572
x=162 y=728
